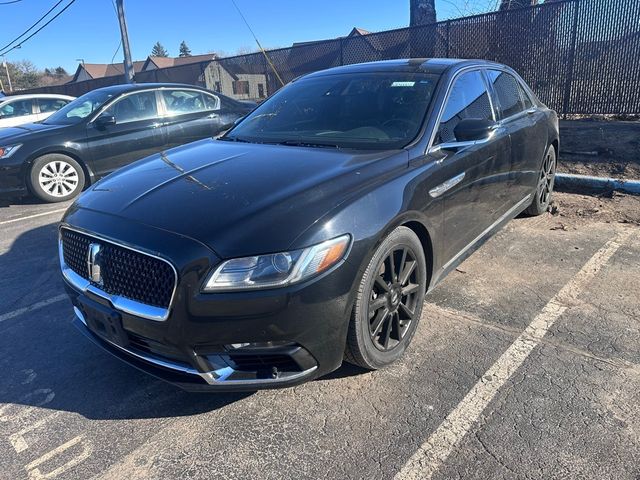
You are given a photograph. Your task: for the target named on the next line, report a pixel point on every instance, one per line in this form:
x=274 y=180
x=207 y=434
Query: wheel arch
x=88 y=173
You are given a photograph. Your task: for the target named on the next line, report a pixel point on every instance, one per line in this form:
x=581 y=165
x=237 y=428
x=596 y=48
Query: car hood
x=238 y=199
x=25 y=131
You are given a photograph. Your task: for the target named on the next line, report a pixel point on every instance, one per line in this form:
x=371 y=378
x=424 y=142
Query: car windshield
x=80 y=108
x=362 y=111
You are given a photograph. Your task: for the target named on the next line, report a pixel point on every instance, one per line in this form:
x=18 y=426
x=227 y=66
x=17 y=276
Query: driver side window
x=468 y=98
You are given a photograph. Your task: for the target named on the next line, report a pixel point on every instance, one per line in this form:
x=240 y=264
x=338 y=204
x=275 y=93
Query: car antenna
x=258 y=42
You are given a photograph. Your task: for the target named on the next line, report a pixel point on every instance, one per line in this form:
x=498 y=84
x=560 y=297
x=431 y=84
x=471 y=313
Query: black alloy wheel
x=544 y=188
x=389 y=301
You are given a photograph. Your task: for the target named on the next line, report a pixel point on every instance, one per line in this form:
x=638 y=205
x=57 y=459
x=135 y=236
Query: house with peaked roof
x=89 y=71
x=152 y=63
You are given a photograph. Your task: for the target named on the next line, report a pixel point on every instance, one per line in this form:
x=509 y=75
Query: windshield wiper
x=234 y=139
x=302 y=143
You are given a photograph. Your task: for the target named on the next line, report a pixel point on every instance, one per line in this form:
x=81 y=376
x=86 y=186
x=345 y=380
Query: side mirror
x=105 y=120
x=473 y=129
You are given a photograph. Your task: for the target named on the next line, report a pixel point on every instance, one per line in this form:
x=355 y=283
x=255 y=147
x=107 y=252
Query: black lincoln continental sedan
x=310 y=232
x=106 y=129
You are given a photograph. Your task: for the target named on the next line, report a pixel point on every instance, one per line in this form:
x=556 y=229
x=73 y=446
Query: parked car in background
x=312 y=230
x=104 y=130
x=19 y=109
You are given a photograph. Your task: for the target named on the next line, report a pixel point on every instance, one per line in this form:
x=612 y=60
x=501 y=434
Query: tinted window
x=51 y=104
x=179 y=102
x=351 y=110
x=507 y=90
x=468 y=98
x=135 y=107
x=18 y=108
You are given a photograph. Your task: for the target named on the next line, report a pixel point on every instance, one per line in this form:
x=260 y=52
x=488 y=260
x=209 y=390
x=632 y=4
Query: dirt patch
x=570 y=210
x=600 y=148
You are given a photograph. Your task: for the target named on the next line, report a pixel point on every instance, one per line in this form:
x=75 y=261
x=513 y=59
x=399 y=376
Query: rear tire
x=56 y=178
x=389 y=302
x=544 y=189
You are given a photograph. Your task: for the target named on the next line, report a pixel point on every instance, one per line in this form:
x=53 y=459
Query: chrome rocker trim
x=218 y=377
x=123 y=304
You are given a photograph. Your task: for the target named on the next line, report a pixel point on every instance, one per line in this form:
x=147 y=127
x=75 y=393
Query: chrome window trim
x=214 y=377
x=460 y=72
x=113 y=100
x=524 y=87
x=120 y=303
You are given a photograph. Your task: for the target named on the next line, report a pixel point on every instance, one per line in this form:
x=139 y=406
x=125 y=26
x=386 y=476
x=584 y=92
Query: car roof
x=36 y=95
x=436 y=66
x=131 y=87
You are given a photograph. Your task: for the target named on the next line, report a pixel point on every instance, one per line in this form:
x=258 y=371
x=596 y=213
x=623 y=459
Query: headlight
x=277 y=269
x=6 y=152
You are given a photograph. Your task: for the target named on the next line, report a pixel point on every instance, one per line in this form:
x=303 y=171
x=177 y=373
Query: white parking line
x=30 y=308
x=435 y=451
x=35 y=215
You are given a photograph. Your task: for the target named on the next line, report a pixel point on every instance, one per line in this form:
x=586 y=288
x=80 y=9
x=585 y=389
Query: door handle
x=531 y=111
x=448 y=185
x=213 y=115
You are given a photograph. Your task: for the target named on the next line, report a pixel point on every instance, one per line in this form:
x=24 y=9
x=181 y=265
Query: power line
x=48 y=22
x=31 y=27
x=258 y=42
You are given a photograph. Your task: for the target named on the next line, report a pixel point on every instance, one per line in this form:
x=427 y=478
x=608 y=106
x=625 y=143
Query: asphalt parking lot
x=526 y=364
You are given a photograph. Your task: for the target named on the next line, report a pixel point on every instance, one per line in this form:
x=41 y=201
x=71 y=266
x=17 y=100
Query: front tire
x=389 y=302
x=56 y=178
x=544 y=189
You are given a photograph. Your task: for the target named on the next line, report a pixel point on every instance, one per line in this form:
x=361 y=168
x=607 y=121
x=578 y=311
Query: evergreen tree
x=185 y=51
x=159 y=51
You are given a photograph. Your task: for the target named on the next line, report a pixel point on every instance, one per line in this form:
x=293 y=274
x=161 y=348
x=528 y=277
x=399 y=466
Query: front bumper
x=12 y=178
x=295 y=334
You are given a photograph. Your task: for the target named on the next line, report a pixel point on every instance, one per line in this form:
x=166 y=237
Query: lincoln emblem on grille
x=93 y=263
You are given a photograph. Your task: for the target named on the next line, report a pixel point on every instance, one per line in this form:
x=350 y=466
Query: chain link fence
x=579 y=56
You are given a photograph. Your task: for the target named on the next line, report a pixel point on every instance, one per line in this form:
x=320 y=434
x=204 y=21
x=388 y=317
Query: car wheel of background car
x=546 y=180
x=389 y=302
x=56 y=178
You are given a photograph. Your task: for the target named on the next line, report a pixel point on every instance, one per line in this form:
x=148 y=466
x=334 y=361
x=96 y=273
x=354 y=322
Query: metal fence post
x=341 y=40
x=448 y=36
x=572 y=56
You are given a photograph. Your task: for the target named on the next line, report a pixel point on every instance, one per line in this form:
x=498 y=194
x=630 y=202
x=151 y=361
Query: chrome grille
x=126 y=273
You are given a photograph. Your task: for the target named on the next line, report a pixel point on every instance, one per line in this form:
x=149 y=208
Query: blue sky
x=89 y=28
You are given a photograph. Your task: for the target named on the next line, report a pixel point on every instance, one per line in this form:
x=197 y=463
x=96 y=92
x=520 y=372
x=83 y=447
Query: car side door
x=191 y=115
x=127 y=130
x=525 y=124
x=18 y=112
x=474 y=175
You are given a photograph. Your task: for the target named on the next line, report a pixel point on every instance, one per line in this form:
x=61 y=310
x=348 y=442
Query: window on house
x=217 y=87
x=261 y=91
x=241 y=87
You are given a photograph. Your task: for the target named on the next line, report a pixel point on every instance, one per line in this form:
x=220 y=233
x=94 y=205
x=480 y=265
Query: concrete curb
x=567 y=181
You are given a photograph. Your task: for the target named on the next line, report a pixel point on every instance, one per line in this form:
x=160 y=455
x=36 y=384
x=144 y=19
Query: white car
x=20 y=109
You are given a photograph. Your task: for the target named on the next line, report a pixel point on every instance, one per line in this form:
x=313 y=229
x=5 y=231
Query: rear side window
x=468 y=98
x=509 y=93
x=17 y=108
x=51 y=104
x=180 y=102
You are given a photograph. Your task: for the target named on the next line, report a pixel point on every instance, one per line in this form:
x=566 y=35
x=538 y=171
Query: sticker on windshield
x=403 y=84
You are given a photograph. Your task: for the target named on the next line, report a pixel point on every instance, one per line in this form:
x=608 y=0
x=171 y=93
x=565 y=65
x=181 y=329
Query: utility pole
x=128 y=64
x=6 y=67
